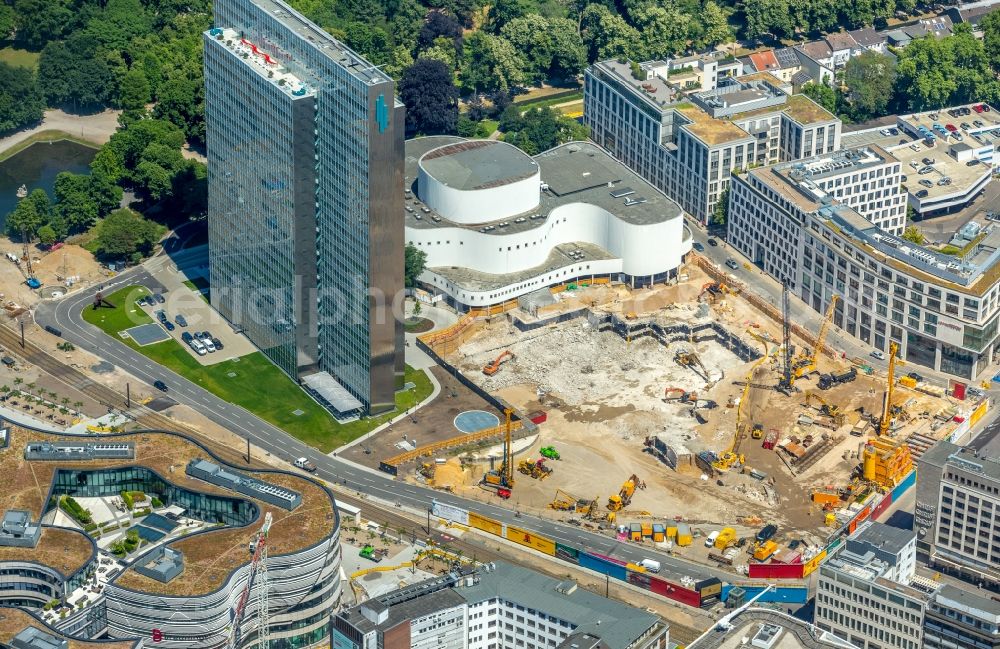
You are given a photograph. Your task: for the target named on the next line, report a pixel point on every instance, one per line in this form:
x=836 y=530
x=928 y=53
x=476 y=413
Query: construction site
x=694 y=404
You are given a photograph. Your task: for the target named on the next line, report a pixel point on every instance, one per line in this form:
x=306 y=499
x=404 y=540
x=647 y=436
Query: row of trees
x=784 y=19
x=929 y=73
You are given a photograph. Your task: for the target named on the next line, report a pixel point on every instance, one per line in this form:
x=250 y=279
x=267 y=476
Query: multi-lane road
x=65 y=315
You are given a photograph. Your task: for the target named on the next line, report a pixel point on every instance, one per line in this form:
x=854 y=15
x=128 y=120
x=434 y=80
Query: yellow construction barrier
x=461 y=440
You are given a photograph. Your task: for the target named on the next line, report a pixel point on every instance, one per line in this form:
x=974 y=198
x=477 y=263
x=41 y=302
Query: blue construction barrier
x=782 y=594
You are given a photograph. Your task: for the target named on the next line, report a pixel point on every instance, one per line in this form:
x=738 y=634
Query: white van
x=710 y=541
x=650 y=565
x=198 y=347
x=209 y=345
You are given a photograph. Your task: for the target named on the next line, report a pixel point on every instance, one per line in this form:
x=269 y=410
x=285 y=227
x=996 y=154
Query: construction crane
x=807 y=362
x=258 y=575
x=29 y=272
x=883 y=424
x=494 y=367
x=731 y=455
x=787 y=382
x=503 y=480
x=622 y=499
x=567 y=502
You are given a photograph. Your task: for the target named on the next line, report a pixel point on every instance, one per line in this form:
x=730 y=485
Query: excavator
x=502 y=480
x=621 y=500
x=535 y=468
x=494 y=367
x=806 y=363
x=713 y=289
x=830 y=410
x=567 y=502
x=692 y=360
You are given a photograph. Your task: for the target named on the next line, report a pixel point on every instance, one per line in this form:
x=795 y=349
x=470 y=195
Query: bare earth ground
x=95 y=128
x=51 y=268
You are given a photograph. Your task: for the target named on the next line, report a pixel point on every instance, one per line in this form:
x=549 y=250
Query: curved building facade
x=185 y=583
x=497 y=224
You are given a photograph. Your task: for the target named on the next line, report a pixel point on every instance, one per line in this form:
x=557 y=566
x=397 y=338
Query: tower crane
x=258 y=575
x=731 y=455
x=883 y=424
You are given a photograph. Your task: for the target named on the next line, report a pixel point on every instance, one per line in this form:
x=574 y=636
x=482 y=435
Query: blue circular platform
x=471 y=421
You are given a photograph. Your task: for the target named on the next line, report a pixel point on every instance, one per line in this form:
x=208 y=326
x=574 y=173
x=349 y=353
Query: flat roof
x=209 y=557
x=885 y=537
x=963 y=177
x=617 y=624
x=330 y=389
x=478 y=164
x=795 y=634
x=14 y=620
x=654 y=89
x=711 y=130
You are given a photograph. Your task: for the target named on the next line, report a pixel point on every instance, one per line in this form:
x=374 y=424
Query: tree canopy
x=428 y=90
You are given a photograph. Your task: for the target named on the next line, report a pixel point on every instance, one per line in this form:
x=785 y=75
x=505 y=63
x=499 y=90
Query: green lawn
x=550 y=101
x=19 y=58
x=251 y=381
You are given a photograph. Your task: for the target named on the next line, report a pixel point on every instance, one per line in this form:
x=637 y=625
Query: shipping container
x=775 y=571
x=671 y=530
x=602 y=566
x=647 y=530
x=635 y=532
x=659 y=533
x=683 y=534
x=538 y=416
x=674 y=592
x=765 y=550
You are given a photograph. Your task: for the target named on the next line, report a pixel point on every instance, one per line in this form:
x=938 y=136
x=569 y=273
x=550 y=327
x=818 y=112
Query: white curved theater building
x=497 y=224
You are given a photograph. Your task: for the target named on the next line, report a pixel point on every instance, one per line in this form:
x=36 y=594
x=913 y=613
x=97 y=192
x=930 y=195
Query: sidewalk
x=93 y=128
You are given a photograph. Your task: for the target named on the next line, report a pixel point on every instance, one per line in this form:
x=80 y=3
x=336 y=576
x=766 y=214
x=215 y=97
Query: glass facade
x=110 y=482
x=305 y=198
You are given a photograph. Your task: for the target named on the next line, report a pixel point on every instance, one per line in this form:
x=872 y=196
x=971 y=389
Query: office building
x=957 y=511
x=941 y=310
x=499 y=605
x=190 y=573
x=688 y=142
x=497 y=224
x=962 y=618
x=863 y=593
x=305 y=188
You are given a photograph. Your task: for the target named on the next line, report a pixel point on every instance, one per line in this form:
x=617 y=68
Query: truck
x=766 y=533
x=369 y=552
x=305 y=465
x=710 y=541
x=650 y=565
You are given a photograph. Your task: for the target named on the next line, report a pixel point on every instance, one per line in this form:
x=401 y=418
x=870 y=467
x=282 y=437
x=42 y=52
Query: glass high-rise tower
x=305 y=199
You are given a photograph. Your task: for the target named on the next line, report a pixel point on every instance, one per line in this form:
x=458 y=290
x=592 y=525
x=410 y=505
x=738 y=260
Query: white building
x=863 y=593
x=500 y=605
x=941 y=309
x=688 y=142
x=497 y=224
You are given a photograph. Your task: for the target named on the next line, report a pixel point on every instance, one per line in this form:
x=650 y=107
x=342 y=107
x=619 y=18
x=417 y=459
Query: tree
x=766 y=18
x=822 y=94
x=664 y=30
x=531 y=37
x=607 y=35
x=871 y=77
x=721 y=212
x=24 y=221
x=990 y=26
x=39 y=21
x=135 y=90
x=428 y=90
x=43 y=206
x=438 y=24
x=569 y=56
x=414 y=262
x=125 y=232
x=539 y=129
x=46 y=235
x=715 y=25
x=491 y=63
x=913 y=234
x=503 y=11
x=74 y=73
x=932 y=73
x=181 y=101
x=75 y=205
x=21 y=102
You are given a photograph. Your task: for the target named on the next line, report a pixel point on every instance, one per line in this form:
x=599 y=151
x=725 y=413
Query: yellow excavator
x=806 y=363
x=693 y=361
x=732 y=455
x=830 y=410
x=621 y=500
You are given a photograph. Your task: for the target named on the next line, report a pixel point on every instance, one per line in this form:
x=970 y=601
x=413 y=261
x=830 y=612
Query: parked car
x=141 y=301
x=766 y=533
x=944 y=181
x=161 y=315
x=893 y=130
x=732 y=263
x=160 y=385
x=305 y=465
x=965 y=126
x=978 y=108
x=915 y=147
x=972 y=163
x=206 y=336
x=198 y=347
x=951 y=127
x=218 y=344
x=922 y=193
x=697 y=246
x=926 y=183
x=181 y=320
x=794 y=543
x=198 y=335
x=187 y=337
x=928 y=161
x=884 y=131
x=169 y=326
x=926 y=170
x=712 y=242
x=878 y=353
x=159 y=298
x=209 y=345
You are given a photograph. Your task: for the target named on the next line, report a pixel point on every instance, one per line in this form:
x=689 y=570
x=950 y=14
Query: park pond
x=37 y=166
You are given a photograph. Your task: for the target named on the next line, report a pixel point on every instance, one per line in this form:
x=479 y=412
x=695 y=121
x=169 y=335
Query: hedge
x=127 y=497
x=73 y=508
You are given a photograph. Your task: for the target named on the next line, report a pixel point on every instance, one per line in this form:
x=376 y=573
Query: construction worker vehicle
x=622 y=499
x=758 y=431
x=690 y=359
x=827 y=381
x=830 y=410
x=549 y=452
x=369 y=552
x=494 y=367
x=535 y=468
x=502 y=479
x=567 y=502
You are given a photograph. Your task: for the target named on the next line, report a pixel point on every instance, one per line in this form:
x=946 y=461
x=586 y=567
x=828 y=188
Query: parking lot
x=198 y=317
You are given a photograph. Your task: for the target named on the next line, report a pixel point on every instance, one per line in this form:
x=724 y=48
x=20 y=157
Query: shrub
x=73 y=508
x=156 y=502
x=144 y=512
x=127 y=497
x=89 y=527
x=138 y=496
